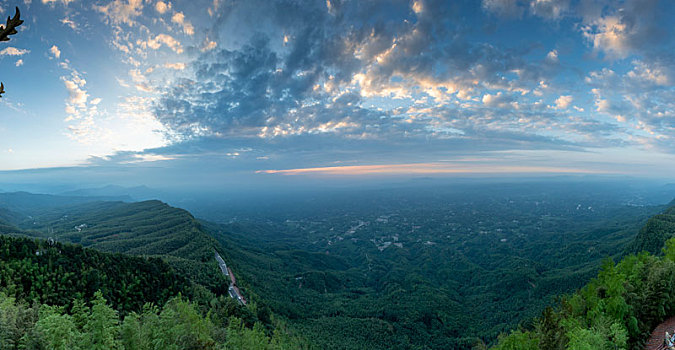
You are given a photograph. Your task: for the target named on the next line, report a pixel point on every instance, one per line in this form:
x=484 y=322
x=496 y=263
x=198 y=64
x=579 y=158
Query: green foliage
x=655 y=233
x=616 y=310
x=442 y=295
x=150 y=229
x=55 y=274
x=177 y=325
x=55 y=330
x=519 y=340
x=101 y=326
x=350 y=291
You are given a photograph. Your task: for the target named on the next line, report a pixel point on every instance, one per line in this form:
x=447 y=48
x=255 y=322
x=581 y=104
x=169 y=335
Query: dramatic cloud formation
x=284 y=84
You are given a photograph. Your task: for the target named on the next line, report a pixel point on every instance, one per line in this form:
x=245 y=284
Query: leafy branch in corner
x=6 y=31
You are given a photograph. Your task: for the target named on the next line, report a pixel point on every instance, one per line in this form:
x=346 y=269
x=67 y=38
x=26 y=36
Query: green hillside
x=444 y=294
x=656 y=231
x=149 y=228
x=149 y=293
x=444 y=286
x=619 y=308
x=63 y=296
x=57 y=274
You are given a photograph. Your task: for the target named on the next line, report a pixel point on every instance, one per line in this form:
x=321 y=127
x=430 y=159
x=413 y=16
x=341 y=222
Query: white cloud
x=162 y=7
x=69 y=23
x=552 y=56
x=13 y=51
x=209 y=45
x=176 y=66
x=497 y=100
x=121 y=11
x=179 y=18
x=608 y=34
x=563 y=102
x=140 y=80
x=551 y=9
x=137 y=76
x=650 y=74
x=216 y=6
x=76 y=96
x=417 y=6
x=19 y=63
x=63 y=2
x=54 y=50
x=156 y=42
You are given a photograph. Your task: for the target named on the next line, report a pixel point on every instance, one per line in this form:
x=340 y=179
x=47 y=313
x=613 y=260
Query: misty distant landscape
x=422 y=263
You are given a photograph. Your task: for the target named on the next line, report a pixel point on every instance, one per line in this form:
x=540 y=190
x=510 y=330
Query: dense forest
x=324 y=281
x=178 y=324
x=657 y=230
x=620 y=307
x=414 y=269
x=64 y=296
x=149 y=228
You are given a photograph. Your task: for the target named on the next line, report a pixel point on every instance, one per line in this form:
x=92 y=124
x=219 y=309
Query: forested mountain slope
x=56 y=295
x=56 y=274
x=438 y=283
x=435 y=270
x=616 y=310
x=149 y=228
x=63 y=296
x=655 y=232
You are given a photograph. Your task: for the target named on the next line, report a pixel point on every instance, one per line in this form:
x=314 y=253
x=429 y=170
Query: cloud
x=616 y=29
x=164 y=39
x=504 y=8
x=321 y=81
x=76 y=95
x=179 y=18
x=208 y=45
x=121 y=11
x=651 y=74
x=407 y=79
x=69 y=23
x=13 y=51
x=563 y=102
x=424 y=168
x=162 y=7
x=62 y=2
x=642 y=99
x=175 y=66
x=634 y=27
x=19 y=63
x=549 y=9
x=497 y=100
x=54 y=50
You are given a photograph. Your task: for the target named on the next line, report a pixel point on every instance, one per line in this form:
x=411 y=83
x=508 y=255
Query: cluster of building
x=233 y=290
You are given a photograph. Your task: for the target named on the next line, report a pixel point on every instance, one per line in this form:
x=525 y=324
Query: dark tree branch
x=10 y=28
x=6 y=31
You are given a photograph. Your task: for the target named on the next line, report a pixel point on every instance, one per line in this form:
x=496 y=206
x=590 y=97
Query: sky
x=221 y=89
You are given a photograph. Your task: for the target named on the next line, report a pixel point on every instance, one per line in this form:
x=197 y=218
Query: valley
x=402 y=268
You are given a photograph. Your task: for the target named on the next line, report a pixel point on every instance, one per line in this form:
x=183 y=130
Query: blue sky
x=278 y=88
